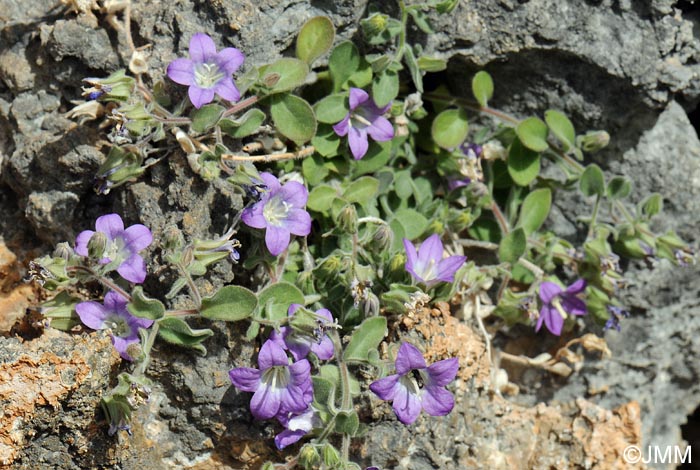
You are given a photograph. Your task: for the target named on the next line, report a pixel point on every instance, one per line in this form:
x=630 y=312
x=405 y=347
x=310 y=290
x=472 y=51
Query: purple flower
x=364 y=118
x=122 y=246
x=207 y=72
x=299 y=343
x=296 y=426
x=427 y=265
x=616 y=314
x=113 y=315
x=280 y=210
x=558 y=303
x=417 y=386
x=280 y=388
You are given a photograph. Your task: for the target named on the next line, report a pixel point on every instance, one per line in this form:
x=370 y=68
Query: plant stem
x=594 y=216
x=148 y=345
x=500 y=218
x=190 y=284
x=240 y=105
x=105 y=281
x=273 y=157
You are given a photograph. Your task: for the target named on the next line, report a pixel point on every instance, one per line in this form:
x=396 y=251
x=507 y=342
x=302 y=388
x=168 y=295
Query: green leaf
x=535 y=210
x=512 y=246
x=362 y=190
x=276 y=299
x=482 y=87
x=385 y=87
x=344 y=61
x=592 y=182
x=332 y=109
x=321 y=198
x=532 y=132
x=347 y=422
x=651 y=205
x=410 y=59
x=414 y=223
x=230 y=303
x=246 y=125
x=315 y=39
x=523 y=163
x=562 y=128
x=421 y=20
x=450 y=128
x=174 y=330
x=324 y=391
x=314 y=170
x=206 y=117
x=293 y=117
x=326 y=141
x=619 y=187
x=144 y=307
x=377 y=157
x=485 y=230
x=287 y=73
x=366 y=336
x=431 y=64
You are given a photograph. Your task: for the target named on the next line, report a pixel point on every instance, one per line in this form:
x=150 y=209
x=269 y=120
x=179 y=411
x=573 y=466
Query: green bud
x=672 y=240
x=97 y=245
x=446 y=6
x=305 y=281
x=63 y=250
x=119 y=168
x=268 y=466
x=397 y=263
x=371 y=305
x=309 y=456
x=436 y=226
x=635 y=247
x=381 y=239
x=460 y=220
x=117 y=87
x=331 y=456
x=593 y=141
x=304 y=321
x=330 y=267
x=173 y=239
x=374 y=25
x=347 y=220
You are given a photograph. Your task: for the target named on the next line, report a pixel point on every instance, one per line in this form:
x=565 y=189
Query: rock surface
x=630 y=67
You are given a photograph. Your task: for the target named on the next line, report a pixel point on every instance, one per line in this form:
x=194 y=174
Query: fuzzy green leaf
x=431 y=64
x=532 y=132
x=277 y=298
x=344 y=61
x=561 y=127
x=366 y=336
x=385 y=87
x=144 y=307
x=651 y=205
x=175 y=331
x=347 y=422
x=245 y=125
x=293 y=117
x=321 y=198
x=230 y=303
x=414 y=223
x=362 y=190
x=287 y=73
x=410 y=58
x=315 y=39
x=523 y=163
x=450 y=128
x=332 y=109
x=592 y=182
x=206 y=117
x=535 y=210
x=482 y=87
x=619 y=187
x=512 y=246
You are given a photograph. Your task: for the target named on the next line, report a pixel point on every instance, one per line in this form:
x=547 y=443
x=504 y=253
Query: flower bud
x=397 y=264
x=97 y=245
x=309 y=456
x=382 y=239
x=329 y=267
x=304 y=321
x=347 y=220
x=305 y=281
x=63 y=250
x=331 y=456
x=594 y=141
x=371 y=305
x=375 y=24
x=119 y=167
x=117 y=87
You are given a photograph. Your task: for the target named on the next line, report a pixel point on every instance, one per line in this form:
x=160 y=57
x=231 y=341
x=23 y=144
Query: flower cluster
x=558 y=303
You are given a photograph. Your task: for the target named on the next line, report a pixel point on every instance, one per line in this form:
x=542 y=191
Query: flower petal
x=226 y=89
x=245 y=378
x=133 y=269
x=543 y=311
x=272 y=183
x=406 y=405
x=343 y=126
x=92 y=314
x=294 y=193
x=300 y=373
x=287 y=438
x=253 y=216
x=116 y=303
x=437 y=401
x=430 y=250
x=135 y=323
x=447 y=267
x=81 y=242
x=573 y=305
x=411 y=257
x=110 y=224
x=265 y=402
x=121 y=344
x=271 y=354
x=549 y=290
x=357 y=139
x=443 y=372
x=276 y=239
x=137 y=237
x=200 y=96
x=299 y=348
x=409 y=358
x=576 y=287
x=381 y=129
x=181 y=71
x=202 y=48
x=229 y=59
x=357 y=97
x=385 y=388
x=323 y=350
x=325 y=313
x=554 y=322
x=298 y=222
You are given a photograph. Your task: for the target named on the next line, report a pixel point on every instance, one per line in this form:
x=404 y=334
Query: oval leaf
x=244 y=126
x=523 y=163
x=385 y=87
x=450 y=128
x=277 y=298
x=532 y=132
x=175 y=331
x=512 y=246
x=535 y=210
x=343 y=63
x=293 y=117
x=321 y=198
x=144 y=307
x=431 y=64
x=206 y=117
x=290 y=73
x=332 y=109
x=315 y=39
x=561 y=127
x=366 y=336
x=230 y=303
x=362 y=190
x=619 y=188
x=482 y=87
x=592 y=182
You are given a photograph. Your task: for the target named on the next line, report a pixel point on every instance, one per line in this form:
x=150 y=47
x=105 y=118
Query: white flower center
x=413 y=381
x=276 y=377
x=358 y=119
x=117 y=325
x=207 y=75
x=427 y=271
x=276 y=211
x=556 y=303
